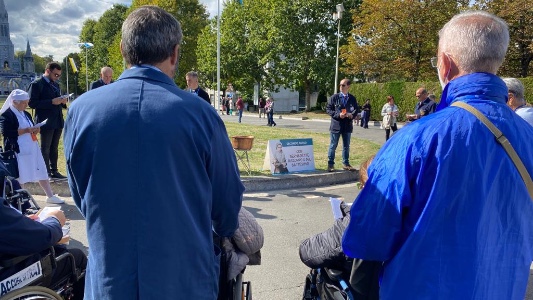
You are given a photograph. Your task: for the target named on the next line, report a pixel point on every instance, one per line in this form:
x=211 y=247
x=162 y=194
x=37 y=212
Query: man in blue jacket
x=153 y=171
x=342 y=108
x=444 y=207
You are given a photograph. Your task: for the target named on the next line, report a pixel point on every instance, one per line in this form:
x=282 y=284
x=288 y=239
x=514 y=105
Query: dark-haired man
x=151 y=203
x=46 y=99
x=342 y=108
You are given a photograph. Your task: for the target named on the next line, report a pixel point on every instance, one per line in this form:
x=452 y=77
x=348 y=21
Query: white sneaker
x=55 y=200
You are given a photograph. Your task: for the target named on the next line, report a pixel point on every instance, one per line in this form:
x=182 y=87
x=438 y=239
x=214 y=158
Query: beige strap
x=503 y=141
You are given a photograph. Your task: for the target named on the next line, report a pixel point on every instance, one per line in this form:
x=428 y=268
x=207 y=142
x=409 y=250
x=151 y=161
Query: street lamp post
x=337 y=16
x=217 y=97
x=87 y=46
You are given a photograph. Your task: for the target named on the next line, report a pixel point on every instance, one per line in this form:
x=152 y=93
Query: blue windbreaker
x=444 y=206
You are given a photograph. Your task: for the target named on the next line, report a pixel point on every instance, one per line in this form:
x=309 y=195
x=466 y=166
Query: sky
x=53 y=26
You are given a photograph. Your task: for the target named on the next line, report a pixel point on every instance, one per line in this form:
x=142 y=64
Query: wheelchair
x=30 y=277
x=232 y=289
x=34 y=280
x=361 y=282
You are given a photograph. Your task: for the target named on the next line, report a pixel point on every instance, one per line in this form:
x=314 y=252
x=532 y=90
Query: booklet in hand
x=41 y=123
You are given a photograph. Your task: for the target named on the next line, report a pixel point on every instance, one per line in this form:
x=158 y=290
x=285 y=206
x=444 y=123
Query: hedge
x=404 y=94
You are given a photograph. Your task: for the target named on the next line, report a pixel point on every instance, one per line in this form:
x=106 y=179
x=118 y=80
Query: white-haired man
x=448 y=211
x=106 y=77
x=516 y=99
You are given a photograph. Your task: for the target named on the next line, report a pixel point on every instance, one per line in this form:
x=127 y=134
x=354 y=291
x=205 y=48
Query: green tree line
x=293 y=43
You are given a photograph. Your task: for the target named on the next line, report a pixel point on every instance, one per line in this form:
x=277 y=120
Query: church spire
x=3 y=12
x=28 y=49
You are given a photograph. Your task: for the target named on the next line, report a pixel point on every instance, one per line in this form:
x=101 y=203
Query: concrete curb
x=252 y=184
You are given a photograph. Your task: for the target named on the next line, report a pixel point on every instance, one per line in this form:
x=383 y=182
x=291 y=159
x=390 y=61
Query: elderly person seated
x=24 y=235
x=516 y=99
x=20 y=135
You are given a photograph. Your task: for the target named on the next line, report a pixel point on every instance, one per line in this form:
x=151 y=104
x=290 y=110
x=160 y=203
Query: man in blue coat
x=342 y=108
x=152 y=170
x=444 y=206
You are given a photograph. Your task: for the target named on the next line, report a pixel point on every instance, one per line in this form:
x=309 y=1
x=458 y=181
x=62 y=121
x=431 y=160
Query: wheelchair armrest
x=333 y=273
x=6 y=263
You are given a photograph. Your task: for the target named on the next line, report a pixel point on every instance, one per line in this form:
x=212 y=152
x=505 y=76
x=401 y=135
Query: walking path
x=268 y=183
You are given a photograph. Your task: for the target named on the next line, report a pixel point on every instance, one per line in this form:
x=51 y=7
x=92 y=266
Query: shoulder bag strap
x=504 y=142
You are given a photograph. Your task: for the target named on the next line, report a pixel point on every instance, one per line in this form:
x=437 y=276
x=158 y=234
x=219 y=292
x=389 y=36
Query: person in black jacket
x=192 y=86
x=24 y=236
x=342 y=108
x=106 y=77
x=324 y=250
x=46 y=99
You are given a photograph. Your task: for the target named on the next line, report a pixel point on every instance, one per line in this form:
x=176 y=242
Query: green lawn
x=359 y=149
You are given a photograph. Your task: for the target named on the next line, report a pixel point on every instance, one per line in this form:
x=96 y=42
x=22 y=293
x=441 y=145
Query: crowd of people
x=442 y=206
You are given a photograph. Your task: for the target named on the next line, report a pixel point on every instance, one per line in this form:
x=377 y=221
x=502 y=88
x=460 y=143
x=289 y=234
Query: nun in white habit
x=20 y=134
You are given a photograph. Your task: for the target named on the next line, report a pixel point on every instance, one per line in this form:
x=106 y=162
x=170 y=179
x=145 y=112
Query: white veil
x=16 y=95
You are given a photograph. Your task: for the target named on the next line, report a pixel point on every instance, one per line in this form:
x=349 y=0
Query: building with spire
x=14 y=73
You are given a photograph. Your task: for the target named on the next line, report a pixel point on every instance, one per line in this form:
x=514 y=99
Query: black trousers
x=49 y=147
x=394 y=127
x=64 y=269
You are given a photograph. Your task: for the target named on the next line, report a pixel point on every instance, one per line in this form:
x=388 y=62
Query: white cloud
x=53 y=26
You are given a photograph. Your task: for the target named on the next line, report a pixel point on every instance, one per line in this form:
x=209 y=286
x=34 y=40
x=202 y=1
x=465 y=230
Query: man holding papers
x=46 y=99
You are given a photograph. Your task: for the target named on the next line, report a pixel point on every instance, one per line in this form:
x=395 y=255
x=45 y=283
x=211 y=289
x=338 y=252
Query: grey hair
x=149 y=36
x=191 y=74
x=476 y=40
x=515 y=87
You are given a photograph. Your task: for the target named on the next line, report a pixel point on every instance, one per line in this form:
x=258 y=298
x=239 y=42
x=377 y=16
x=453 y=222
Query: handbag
x=9 y=159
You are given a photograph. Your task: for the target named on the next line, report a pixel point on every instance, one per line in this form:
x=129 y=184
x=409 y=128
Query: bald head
x=106 y=73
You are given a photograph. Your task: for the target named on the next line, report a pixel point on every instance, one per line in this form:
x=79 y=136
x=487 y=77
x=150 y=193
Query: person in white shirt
x=516 y=99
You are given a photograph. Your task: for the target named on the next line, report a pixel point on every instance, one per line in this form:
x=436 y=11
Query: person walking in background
x=389 y=112
x=445 y=208
x=342 y=108
x=46 y=99
x=230 y=104
x=269 y=110
x=106 y=77
x=365 y=117
x=240 y=107
x=226 y=101
x=262 y=104
x=152 y=240
x=516 y=99
x=20 y=135
x=192 y=85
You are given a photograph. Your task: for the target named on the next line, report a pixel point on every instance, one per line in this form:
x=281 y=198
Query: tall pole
x=337 y=59
x=337 y=16
x=87 y=67
x=66 y=69
x=217 y=97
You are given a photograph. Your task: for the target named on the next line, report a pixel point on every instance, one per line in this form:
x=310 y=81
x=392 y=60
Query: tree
x=394 y=40
x=193 y=18
x=519 y=16
x=109 y=25
x=303 y=37
x=87 y=35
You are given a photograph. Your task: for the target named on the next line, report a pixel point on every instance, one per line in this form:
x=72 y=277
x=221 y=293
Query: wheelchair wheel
x=32 y=293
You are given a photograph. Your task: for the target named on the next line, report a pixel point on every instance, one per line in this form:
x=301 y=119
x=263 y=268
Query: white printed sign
x=289 y=156
x=21 y=279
